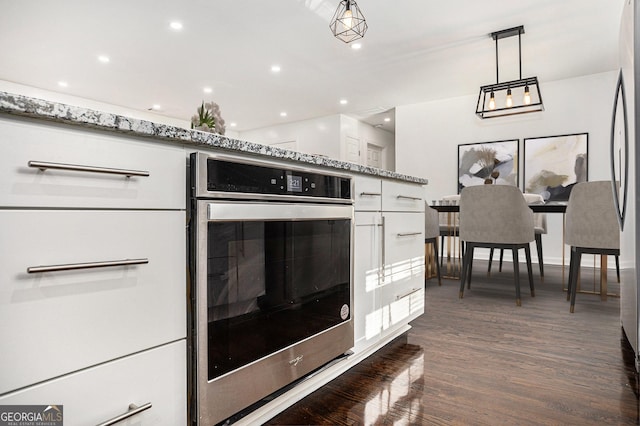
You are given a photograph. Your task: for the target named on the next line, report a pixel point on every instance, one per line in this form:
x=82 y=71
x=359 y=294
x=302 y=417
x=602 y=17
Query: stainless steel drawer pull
x=89 y=265
x=42 y=165
x=408 y=234
x=402 y=296
x=407 y=197
x=370 y=194
x=133 y=410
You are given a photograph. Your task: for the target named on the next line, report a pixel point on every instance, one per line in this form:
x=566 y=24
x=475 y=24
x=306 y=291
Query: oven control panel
x=229 y=176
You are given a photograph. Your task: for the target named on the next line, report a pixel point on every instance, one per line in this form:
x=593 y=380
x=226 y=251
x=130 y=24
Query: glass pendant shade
x=348 y=23
x=527 y=96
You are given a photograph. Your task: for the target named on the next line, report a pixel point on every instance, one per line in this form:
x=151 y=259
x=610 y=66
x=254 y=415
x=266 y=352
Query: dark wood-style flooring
x=482 y=360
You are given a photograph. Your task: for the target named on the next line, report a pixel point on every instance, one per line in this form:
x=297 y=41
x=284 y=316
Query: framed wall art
x=488 y=162
x=554 y=164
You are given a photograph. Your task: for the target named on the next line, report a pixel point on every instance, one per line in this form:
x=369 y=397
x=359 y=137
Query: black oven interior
x=271 y=284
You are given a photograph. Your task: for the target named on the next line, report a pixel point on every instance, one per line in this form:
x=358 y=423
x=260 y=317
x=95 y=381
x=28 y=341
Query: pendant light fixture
x=348 y=23
x=510 y=97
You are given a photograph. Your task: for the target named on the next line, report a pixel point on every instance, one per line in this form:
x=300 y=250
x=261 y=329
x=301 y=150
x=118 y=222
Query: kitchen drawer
x=53 y=323
x=25 y=186
x=97 y=394
x=401 y=302
x=368 y=194
x=403 y=241
x=401 y=196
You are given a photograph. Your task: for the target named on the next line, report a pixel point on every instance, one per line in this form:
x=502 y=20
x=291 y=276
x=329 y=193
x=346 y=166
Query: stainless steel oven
x=271 y=256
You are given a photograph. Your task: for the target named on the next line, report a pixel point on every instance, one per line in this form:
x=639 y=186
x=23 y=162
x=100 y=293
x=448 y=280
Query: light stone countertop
x=67 y=114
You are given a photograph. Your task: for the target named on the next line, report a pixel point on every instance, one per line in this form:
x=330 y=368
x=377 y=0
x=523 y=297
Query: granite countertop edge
x=21 y=105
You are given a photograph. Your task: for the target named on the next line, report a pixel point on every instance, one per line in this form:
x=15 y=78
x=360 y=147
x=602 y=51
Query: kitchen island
x=94 y=207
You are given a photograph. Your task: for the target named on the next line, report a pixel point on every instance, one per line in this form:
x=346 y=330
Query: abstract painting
x=488 y=162
x=554 y=164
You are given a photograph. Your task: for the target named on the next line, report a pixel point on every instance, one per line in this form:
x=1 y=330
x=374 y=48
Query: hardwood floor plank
x=482 y=360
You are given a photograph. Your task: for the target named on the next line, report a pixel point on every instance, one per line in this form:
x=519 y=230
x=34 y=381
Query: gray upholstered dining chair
x=539 y=228
x=591 y=227
x=431 y=234
x=495 y=216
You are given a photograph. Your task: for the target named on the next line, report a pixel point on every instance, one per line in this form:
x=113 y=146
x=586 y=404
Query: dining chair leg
x=490 y=260
x=539 y=249
x=570 y=282
x=618 y=267
x=527 y=253
x=441 y=250
x=463 y=273
x=470 y=250
x=501 y=255
x=576 y=269
x=516 y=273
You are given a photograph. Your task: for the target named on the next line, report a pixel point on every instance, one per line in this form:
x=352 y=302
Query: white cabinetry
x=93 y=295
x=389 y=258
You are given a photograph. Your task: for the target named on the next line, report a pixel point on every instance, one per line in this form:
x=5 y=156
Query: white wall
x=327 y=136
x=428 y=135
x=315 y=136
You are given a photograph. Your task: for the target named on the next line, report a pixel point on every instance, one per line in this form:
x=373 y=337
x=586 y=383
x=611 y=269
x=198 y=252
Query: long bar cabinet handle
x=88 y=265
x=408 y=234
x=382 y=250
x=133 y=410
x=43 y=165
x=409 y=293
x=370 y=194
x=407 y=197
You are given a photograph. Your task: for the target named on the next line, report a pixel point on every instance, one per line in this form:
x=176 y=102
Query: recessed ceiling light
x=207 y=90
x=232 y=124
x=356 y=46
x=343 y=102
x=275 y=68
x=63 y=84
x=387 y=119
x=104 y=59
x=283 y=114
x=155 y=107
x=175 y=25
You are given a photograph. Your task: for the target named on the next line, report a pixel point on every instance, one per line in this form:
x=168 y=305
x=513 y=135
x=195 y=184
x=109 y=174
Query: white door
x=353 y=149
x=374 y=156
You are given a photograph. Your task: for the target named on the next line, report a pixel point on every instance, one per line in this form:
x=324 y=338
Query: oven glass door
x=276 y=274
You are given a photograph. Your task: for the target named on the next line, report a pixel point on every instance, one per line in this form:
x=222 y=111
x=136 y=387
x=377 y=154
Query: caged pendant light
x=348 y=23
x=510 y=97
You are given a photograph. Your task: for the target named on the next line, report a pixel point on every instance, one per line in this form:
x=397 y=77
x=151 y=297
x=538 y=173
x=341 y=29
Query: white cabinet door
x=401 y=296
x=61 y=321
x=367 y=269
x=98 y=394
x=368 y=193
x=402 y=196
x=65 y=185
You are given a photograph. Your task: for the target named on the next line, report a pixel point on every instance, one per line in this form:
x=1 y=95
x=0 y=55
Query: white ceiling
x=414 y=51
